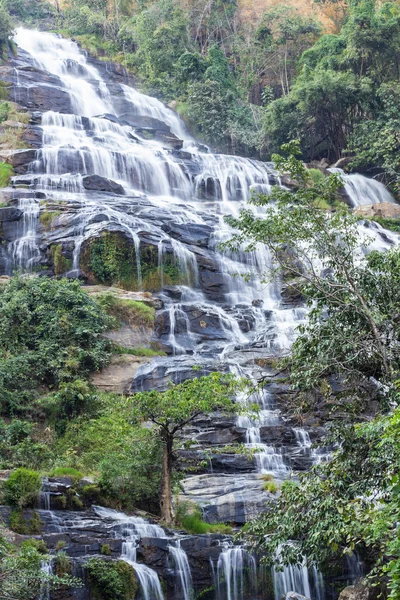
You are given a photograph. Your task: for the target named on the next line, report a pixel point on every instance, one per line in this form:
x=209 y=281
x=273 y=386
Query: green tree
x=50 y=332
x=350 y=504
x=351 y=332
x=172 y=410
x=22 y=488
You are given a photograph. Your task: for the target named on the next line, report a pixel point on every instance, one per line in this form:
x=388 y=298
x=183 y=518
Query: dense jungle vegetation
x=247 y=78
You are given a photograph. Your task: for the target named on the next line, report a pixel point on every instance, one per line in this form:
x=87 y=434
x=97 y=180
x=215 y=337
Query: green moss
x=193 y=523
x=129 y=311
x=110 y=259
x=6 y=172
x=60 y=262
x=25 y=526
x=271 y=487
x=111 y=580
x=68 y=472
x=47 y=217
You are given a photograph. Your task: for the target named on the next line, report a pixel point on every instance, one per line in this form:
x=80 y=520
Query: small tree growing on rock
x=172 y=410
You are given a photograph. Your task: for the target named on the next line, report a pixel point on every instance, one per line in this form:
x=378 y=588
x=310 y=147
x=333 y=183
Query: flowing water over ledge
x=110 y=159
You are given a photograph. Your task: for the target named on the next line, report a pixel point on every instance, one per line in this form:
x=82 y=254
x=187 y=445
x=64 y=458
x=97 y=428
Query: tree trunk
x=166 y=508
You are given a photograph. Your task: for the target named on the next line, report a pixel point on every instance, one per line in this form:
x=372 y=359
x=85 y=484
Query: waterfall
x=182 y=569
x=236 y=573
x=132 y=529
x=363 y=190
x=47 y=569
x=25 y=250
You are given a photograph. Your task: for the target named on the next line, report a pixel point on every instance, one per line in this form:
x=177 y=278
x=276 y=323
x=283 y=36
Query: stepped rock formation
x=112 y=170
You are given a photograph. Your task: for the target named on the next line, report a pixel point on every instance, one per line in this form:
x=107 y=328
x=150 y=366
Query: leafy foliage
x=111 y=580
x=22 y=488
x=350 y=504
x=49 y=334
x=21 y=575
x=350 y=333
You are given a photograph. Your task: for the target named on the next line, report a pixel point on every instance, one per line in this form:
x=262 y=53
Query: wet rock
x=209 y=188
x=189 y=233
x=226 y=498
x=19 y=159
x=10 y=213
x=108 y=117
x=387 y=210
x=143 y=121
x=359 y=592
x=294 y=596
x=101 y=184
x=213 y=284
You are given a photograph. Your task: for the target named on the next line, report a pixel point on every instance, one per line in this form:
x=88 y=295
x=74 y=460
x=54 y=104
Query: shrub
x=49 y=334
x=23 y=526
x=39 y=545
x=62 y=564
x=271 y=487
x=6 y=172
x=105 y=549
x=68 y=472
x=22 y=488
x=91 y=494
x=111 y=580
x=60 y=545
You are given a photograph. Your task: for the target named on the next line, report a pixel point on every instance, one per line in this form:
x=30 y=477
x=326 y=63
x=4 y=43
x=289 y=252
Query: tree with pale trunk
x=170 y=411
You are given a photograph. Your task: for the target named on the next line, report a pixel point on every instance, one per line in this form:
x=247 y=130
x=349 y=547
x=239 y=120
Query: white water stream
x=162 y=187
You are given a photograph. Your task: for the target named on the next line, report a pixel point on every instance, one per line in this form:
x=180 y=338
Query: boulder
x=359 y=591
x=117 y=376
x=226 y=498
x=97 y=183
x=19 y=159
x=141 y=121
x=189 y=233
x=387 y=210
x=295 y=596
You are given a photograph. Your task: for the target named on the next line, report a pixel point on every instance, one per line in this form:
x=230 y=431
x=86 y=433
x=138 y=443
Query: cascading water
x=182 y=570
x=174 y=198
x=132 y=529
x=236 y=573
x=47 y=569
x=362 y=190
x=308 y=583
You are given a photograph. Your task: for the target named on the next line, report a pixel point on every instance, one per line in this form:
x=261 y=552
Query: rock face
x=101 y=184
x=359 y=592
x=388 y=210
x=116 y=192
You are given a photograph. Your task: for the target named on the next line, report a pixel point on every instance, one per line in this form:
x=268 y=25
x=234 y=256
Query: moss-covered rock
x=111 y=580
x=111 y=259
x=61 y=264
